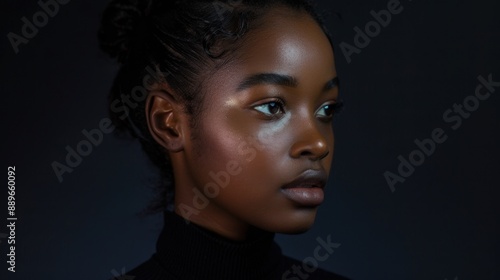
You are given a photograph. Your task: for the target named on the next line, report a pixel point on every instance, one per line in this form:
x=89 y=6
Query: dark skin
x=255 y=134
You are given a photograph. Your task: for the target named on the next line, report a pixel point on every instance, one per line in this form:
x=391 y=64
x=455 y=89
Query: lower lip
x=305 y=196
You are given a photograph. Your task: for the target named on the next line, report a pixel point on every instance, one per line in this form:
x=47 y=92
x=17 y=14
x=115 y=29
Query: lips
x=307 y=189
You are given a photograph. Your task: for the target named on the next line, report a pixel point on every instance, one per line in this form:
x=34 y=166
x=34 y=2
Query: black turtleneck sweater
x=185 y=251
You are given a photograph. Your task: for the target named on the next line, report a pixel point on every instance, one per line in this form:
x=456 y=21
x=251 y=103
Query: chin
x=293 y=231
x=295 y=223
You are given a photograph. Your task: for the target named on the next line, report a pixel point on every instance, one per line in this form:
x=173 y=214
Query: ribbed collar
x=192 y=252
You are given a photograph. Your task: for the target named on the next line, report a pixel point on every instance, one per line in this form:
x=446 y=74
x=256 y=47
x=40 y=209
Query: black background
x=443 y=222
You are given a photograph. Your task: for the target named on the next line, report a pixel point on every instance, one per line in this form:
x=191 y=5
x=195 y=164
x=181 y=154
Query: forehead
x=285 y=42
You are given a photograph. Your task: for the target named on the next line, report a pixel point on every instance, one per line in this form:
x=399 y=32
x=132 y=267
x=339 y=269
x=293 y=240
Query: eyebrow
x=268 y=78
x=331 y=84
x=278 y=79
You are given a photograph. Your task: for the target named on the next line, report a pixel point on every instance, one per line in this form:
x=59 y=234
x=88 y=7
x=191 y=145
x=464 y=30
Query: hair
x=178 y=43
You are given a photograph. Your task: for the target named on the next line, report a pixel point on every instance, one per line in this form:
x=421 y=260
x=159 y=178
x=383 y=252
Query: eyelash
x=336 y=107
x=279 y=102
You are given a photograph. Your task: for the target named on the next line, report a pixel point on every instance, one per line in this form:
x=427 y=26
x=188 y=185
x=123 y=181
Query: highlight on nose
x=311 y=144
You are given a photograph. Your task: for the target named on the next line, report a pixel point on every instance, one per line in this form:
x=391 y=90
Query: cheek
x=237 y=145
x=242 y=157
x=234 y=134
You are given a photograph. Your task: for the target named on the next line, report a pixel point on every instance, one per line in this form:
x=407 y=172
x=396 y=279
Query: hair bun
x=122 y=21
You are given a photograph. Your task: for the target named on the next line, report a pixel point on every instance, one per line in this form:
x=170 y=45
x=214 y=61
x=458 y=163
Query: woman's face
x=263 y=141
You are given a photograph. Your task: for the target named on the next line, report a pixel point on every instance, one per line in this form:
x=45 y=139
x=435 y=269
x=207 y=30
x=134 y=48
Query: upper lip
x=310 y=178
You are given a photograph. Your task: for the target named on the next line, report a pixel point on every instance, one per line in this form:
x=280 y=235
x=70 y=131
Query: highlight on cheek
x=269 y=131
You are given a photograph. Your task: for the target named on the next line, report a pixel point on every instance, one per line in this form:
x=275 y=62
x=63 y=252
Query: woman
x=235 y=109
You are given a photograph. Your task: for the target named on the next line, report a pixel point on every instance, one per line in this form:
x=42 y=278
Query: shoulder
x=295 y=270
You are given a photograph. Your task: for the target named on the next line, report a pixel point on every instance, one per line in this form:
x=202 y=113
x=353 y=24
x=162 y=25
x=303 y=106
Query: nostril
x=324 y=155
x=314 y=156
x=310 y=144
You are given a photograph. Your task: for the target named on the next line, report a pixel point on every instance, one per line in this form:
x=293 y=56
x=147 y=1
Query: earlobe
x=165 y=120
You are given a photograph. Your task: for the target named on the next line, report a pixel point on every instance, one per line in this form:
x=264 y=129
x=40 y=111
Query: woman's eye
x=271 y=108
x=327 y=111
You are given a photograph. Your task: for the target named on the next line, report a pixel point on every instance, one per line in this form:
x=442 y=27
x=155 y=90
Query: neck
x=181 y=245
x=211 y=217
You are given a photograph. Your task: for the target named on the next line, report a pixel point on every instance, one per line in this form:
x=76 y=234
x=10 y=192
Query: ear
x=166 y=120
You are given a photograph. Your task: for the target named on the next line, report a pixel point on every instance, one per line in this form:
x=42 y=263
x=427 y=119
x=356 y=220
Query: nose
x=310 y=142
